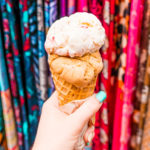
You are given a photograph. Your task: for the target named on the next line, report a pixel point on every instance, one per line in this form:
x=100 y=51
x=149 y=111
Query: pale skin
x=58 y=130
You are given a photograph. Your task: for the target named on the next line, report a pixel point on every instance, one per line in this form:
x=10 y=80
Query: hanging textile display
x=131 y=72
x=29 y=79
x=121 y=36
x=34 y=45
x=146 y=137
x=96 y=8
x=53 y=11
x=13 y=26
x=105 y=77
x=142 y=66
x=10 y=65
x=9 y=120
x=43 y=69
x=3 y=144
x=71 y=7
x=144 y=97
x=47 y=15
x=82 y=6
x=63 y=9
x=112 y=54
x=26 y=82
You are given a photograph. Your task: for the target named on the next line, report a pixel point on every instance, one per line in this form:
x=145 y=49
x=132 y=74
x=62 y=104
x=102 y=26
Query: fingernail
x=101 y=96
x=90 y=137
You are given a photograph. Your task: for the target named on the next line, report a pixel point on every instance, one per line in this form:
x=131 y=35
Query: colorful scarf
x=33 y=109
x=131 y=72
x=122 y=10
x=10 y=66
x=9 y=120
x=13 y=26
x=140 y=81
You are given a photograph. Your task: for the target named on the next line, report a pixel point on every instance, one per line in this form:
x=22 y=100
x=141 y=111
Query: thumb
x=91 y=105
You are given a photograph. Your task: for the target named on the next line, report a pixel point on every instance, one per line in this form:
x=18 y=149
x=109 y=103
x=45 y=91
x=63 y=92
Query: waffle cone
x=68 y=92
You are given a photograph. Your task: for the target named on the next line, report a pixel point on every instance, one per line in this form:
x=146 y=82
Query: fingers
x=89 y=135
x=88 y=108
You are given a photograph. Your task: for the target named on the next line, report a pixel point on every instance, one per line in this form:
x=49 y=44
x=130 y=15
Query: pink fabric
x=111 y=92
x=121 y=20
x=82 y=6
x=100 y=140
x=131 y=71
x=71 y=7
x=95 y=8
x=105 y=77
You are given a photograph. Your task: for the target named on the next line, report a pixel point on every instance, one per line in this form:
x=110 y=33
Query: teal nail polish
x=88 y=144
x=101 y=96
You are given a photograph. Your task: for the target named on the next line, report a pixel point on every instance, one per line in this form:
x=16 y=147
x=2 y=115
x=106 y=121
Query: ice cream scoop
x=76 y=35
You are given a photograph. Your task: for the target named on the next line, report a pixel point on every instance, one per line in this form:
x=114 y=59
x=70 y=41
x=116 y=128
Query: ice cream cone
x=73 y=44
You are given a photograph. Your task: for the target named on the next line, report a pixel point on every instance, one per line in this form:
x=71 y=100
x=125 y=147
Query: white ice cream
x=75 y=35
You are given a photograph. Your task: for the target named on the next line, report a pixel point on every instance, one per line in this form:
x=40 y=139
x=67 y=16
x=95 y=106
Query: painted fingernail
x=101 y=96
x=87 y=143
x=90 y=137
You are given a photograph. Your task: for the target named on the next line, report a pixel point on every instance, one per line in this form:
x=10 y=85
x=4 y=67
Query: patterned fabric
x=71 y=7
x=122 y=12
x=43 y=69
x=131 y=72
x=146 y=135
x=10 y=65
x=13 y=26
x=82 y=6
x=34 y=45
x=140 y=81
x=26 y=82
x=105 y=77
x=47 y=14
x=96 y=8
x=32 y=103
x=144 y=98
x=3 y=144
x=9 y=121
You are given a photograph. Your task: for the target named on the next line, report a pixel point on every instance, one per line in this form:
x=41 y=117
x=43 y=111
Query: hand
x=58 y=130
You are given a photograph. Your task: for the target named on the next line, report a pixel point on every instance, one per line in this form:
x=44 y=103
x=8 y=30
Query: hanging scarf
x=9 y=120
x=47 y=14
x=105 y=77
x=100 y=140
x=53 y=14
x=140 y=80
x=121 y=37
x=3 y=144
x=13 y=26
x=71 y=7
x=145 y=138
x=12 y=78
x=32 y=102
x=131 y=72
x=144 y=97
x=112 y=55
x=63 y=8
x=41 y=53
x=82 y=6
x=32 y=12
